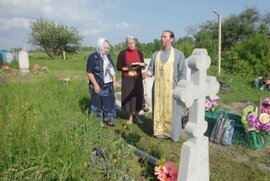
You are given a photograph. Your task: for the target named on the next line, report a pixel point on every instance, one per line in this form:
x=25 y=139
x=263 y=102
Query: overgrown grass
x=47 y=134
x=239 y=89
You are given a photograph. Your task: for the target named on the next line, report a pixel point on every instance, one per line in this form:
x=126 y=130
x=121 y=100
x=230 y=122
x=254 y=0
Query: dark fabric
x=102 y=104
x=132 y=94
x=219 y=128
x=95 y=66
x=132 y=87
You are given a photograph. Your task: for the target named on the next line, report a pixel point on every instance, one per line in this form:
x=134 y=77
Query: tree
x=250 y=58
x=186 y=45
x=207 y=37
x=239 y=28
x=54 y=38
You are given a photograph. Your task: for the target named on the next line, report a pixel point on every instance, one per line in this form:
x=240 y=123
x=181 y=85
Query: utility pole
x=219 y=40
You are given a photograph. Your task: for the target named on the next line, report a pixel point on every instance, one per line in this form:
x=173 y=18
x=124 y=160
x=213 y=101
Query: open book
x=141 y=64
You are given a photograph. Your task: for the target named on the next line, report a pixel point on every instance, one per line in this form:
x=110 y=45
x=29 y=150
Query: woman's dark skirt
x=132 y=94
x=103 y=104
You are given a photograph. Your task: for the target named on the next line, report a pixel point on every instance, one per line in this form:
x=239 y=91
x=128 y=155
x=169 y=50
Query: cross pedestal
x=194 y=160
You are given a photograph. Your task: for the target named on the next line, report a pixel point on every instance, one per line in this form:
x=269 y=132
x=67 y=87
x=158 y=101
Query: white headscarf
x=107 y=66
x=100 y=45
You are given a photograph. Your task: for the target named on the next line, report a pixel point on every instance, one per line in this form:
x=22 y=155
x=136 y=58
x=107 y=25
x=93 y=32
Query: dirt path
x=235 y=107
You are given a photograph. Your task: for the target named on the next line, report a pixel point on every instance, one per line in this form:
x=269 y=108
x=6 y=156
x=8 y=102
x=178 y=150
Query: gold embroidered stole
x=163 y=108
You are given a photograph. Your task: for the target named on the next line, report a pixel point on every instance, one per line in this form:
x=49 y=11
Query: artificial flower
x=211 y=104
x=264 y=118
x=44 y=69
x=266 y=127
x=6 y=67
x=36 y=68
x=266 y=102
x=257 y=120
x=266 y=106
x=166 y=171
x=253 y=120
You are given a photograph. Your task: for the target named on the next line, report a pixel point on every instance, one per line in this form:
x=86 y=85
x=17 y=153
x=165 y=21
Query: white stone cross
x=194 y=160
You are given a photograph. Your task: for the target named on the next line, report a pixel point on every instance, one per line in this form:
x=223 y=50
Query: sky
x=115 y=19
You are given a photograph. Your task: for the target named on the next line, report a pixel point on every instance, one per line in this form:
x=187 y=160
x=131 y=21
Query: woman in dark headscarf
x=102 y=82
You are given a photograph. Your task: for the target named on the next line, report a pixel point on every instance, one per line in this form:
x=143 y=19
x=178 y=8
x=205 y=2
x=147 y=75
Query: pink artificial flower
x=36 y=68
x=170 y=167
x=162 y=176
x=266 y=102
x=166 y=172
x=266 y=106
x=208 y=104
x=266 y=127
x=211 y=104
x=174 y=175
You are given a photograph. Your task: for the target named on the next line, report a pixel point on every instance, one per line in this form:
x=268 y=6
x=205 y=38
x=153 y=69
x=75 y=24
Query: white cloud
x=25 y=8
x=92 y=18
x=10 y=23
x=122 y=25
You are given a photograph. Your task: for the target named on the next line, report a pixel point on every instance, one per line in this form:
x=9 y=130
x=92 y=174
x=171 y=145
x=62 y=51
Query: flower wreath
x=257 y=120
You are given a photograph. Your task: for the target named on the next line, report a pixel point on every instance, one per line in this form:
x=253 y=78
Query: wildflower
x=125 y=126
x=64 y=79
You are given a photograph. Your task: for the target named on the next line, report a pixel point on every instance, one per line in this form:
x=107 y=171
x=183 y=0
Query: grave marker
x=194 y=160
x=23 y=62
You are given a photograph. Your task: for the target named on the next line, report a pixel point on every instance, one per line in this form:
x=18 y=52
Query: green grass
x=239 y=89
x=47 y=134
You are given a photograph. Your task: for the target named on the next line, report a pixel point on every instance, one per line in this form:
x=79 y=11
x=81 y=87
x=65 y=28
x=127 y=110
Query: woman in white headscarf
x=102 y=83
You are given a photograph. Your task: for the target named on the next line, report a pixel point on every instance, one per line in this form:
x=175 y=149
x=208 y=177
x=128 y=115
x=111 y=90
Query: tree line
x=245 y=42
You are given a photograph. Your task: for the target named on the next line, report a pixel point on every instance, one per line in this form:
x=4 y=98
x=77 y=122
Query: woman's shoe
x=139 y=121
x=110 y=124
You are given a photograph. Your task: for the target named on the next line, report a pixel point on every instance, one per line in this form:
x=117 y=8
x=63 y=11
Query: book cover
x=141 y=64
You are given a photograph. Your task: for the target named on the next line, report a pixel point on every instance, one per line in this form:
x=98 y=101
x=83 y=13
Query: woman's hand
x=145 y=75
x=114 y=85
x=97 y=89
x=125 y=69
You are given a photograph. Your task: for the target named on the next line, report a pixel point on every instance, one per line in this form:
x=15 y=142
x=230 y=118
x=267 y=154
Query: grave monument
x=194 y=160
x=23 y=62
